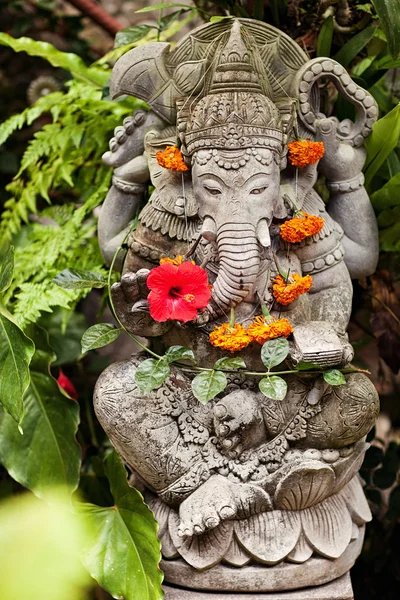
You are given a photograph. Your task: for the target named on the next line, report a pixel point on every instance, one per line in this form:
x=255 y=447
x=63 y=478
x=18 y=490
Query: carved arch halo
x=161 y=76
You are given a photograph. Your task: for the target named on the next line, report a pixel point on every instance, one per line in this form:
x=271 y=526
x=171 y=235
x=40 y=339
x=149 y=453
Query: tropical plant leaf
x=388 y=195
x=16 y=351
x=174 y=353
x=66 y=60
x=46 y=538
x=383 y=139
x=162 y=6
x=75 y=279
x=124 y=551
x=302 y=365
x=274 y=352
x=229 y=363
x=130 y=35
x=325 y=36
x=354 y=46
x=389 y=14
x=334 y=377
x=47 y=455
x=99 y=335
x=7 y=269
x=208 y=384
x=273 y=387
x=152 y=373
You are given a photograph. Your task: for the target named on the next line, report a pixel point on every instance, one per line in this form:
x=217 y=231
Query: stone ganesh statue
x=251 y=494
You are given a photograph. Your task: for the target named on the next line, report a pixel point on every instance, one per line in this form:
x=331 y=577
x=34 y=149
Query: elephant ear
x=143 y=72
x=306 y=90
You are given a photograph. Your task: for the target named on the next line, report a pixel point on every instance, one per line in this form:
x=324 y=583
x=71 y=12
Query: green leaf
x=45 y=539
x=334 y=377
x=393 y=163
x=130 y=35
x=174 y=353
x=388 y=195
x=75 y=279
x=65 y=332
x=162 y=6
x=389 y=14
x=16 y=351
x=66 y=60
x=273 y=387
x=151 y=373
x=229 y=364
x=99 y=335
x=383 y=139
x=167 y=21
x=302 y=365
x=124 y=551
x=7 y=269
x=208 y=384
x=354 y=46
x=325 y=38
x=274 y=352
x=47 y=455
x=217 y=19
x=258 y=12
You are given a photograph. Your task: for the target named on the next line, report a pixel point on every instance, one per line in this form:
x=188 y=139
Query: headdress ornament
x=236 y=113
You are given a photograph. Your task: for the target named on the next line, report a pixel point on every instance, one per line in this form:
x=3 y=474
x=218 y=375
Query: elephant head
x=237 y=207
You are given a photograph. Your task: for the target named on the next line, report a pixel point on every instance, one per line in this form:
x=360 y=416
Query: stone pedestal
x=340 y=589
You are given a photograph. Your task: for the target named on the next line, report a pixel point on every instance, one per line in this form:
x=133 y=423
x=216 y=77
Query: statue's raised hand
x=341 y=162
x=128 y=140
x=130 y=303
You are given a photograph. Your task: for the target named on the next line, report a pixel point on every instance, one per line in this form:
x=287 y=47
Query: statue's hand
x=318 y=343
x=341 y=161
x=128 y=140
x=130 y=302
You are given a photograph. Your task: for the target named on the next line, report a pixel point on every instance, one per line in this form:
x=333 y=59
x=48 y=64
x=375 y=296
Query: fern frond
x=29 y=115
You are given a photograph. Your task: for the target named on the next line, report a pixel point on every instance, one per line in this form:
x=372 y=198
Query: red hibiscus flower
x=177 y=292
x=67 y=385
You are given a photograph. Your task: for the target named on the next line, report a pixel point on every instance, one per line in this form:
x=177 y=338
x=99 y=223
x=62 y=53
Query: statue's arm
x=349 y=204
x=121 y=205
x=353 y=211
x=130 y=180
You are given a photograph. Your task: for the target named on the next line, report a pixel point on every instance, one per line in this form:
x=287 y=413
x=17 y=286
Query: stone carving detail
x=243 y=481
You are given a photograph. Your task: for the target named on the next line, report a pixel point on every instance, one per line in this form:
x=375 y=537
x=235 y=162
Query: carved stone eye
x=213 y=191
x=257 y=191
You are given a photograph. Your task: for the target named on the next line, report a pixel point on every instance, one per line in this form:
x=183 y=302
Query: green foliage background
x=48 y=224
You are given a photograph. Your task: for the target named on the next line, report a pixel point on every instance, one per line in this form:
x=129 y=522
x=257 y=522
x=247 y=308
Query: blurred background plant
x=57 y=117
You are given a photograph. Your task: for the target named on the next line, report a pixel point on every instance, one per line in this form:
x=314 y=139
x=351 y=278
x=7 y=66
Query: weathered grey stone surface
x=248 y=492
x=340 y=589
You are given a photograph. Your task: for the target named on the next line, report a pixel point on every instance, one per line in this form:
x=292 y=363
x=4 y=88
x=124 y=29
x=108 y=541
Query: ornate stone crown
x=236 y=113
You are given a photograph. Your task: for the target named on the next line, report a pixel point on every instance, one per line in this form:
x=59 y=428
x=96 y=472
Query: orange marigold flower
x=305 y=152
x=300 y=227
x=287 y=291
x=178 y=260
x=263 y=329
x=172 y=158
x=230 y=338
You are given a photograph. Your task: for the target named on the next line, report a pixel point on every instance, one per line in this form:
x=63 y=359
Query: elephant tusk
x=262 y=233
x=209 y=229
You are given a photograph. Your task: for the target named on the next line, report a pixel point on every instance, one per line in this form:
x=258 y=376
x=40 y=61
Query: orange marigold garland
x=264 y=329
x=285 y=292
x=303 y=225
x=178 y=260
x=305 y=152
x=172 y=158
x=231 y=338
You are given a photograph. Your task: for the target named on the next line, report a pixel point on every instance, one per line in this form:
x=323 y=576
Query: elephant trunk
x=239 y=263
